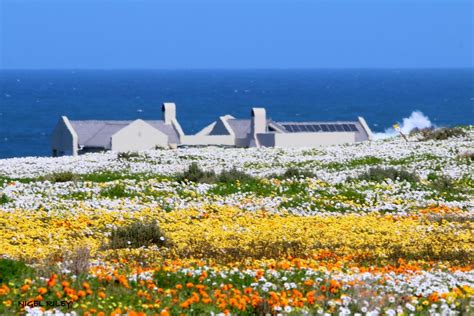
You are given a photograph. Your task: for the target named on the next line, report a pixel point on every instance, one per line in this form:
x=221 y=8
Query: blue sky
x=46 y=34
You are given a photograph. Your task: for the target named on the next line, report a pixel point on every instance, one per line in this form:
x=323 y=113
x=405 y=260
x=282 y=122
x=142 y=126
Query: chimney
x=169 y=112
x=259 y=121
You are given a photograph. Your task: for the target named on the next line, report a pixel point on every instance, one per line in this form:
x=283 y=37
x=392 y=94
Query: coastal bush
x=78 y=260
x=63 y=176
x=292 y=173
x=195 y=174
x=135 y=235
x=441 y=182
x=4 y=199
x=444 y=184
x=379 y=174
x=440 y=133
x=233 y=175
x=128 y=155
x=467 y=156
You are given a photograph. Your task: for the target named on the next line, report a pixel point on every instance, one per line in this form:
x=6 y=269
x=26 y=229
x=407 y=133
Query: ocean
x=31 y=101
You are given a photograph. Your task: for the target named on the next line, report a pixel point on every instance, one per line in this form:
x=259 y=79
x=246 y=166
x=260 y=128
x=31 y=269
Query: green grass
x=409 y=159
x=116 y=191
x=378 y=174
x=108 y=176
x=255 y=186
x=354 y=163
x=14 y=270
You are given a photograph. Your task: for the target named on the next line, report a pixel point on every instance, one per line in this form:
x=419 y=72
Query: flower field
x=380 y=228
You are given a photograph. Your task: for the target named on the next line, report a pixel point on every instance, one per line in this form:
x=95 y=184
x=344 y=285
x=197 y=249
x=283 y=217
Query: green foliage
x=379 y=174
x=64 y=176
x=440 y=133
x=255 y=186
x=196 y=174
x=442 y=183
x=354 y=163
x=13 y=270
x=234 y=175
x=116 y=191
x=467 y=157
x=129 y=155
x=446 y=186
x=107 y=176
x=4 y=199
x=292 y=173
x=137 y=235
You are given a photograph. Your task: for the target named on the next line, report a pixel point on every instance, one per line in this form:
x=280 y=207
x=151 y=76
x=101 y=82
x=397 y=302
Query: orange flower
x=85 y=285
x=65 y=284
x=25 y=288
x=308 y=282
x=434 y=297
x=179 y=286
x=42 y=290
x=164 y=312
x=3 y=291
x=52 y=281
x=185 y=304
x=102 y=295
x=81 y=293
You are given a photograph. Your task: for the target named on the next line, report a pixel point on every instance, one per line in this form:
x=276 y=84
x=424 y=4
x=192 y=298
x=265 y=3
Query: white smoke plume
x=416 y=120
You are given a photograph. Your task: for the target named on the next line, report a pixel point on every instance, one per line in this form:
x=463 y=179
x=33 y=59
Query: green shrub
x=129 y=155
x=297 y=173
x=12 y=269
x=467 y=156
x=234 y=175
x=379 y=174
x=196 y=174
x=64 y=176
x=137 y=235
x=442 y=183
x=4 y=199
x=440 y=133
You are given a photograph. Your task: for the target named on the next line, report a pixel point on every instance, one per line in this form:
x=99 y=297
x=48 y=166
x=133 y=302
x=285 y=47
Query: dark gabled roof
x=97 y=134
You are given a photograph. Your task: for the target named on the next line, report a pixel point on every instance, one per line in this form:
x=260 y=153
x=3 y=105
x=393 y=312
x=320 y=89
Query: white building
x=260 y=131
x=77 y=137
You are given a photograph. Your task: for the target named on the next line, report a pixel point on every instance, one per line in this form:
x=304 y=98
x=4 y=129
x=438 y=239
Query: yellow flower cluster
x=227 y=233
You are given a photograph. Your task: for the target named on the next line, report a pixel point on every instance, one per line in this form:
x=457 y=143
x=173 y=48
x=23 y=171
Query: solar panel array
x=314 y=128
